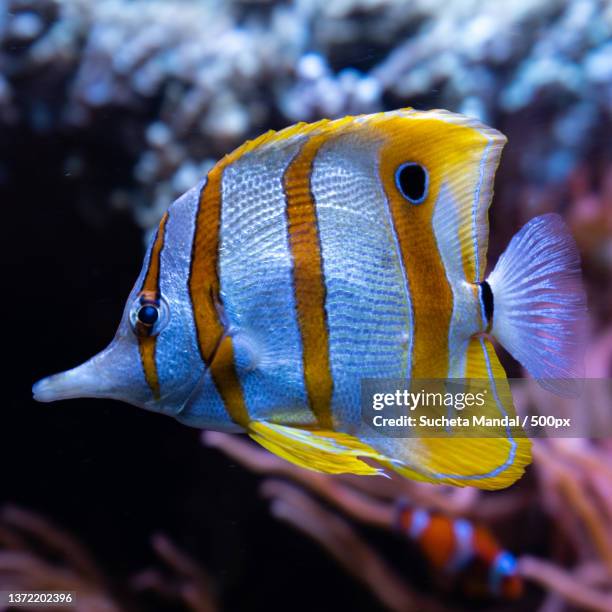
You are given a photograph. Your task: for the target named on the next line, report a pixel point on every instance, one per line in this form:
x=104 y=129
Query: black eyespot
x=412 y=181
x=148 y=315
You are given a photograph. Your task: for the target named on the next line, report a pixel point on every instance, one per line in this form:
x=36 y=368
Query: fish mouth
x=109 y=374
x=45 y=390
x=85 y=380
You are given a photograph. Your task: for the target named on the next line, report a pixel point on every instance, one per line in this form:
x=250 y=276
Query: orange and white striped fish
x=315 y=257
x=463 y=550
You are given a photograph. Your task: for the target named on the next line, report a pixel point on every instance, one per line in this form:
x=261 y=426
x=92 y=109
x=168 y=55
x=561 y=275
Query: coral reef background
x=184 y=81
x=111 y=109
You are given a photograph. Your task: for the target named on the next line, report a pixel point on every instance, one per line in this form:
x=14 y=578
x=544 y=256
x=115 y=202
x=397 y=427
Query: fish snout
x=83 y=381
x=114 y=373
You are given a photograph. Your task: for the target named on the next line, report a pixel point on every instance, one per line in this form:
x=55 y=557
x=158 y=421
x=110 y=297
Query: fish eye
x=148 y=316
x=412 y=181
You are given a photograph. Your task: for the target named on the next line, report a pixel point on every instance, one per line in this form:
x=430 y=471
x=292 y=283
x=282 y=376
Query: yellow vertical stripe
x=217 y=350
x=150 y=292
x=422 y=142
x=308 y=280
x=204 y=289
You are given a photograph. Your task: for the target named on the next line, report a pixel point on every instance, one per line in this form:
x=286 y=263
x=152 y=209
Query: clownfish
x=315 y=257
x=458 y=547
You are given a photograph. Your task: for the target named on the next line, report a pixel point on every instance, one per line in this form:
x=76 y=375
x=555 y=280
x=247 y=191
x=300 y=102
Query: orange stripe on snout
x=204 y=289
x=309 y=281
x=150 y=291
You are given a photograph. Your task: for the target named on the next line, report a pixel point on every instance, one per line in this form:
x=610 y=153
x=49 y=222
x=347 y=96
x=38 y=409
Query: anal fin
x=493 y=461
x=485 y=458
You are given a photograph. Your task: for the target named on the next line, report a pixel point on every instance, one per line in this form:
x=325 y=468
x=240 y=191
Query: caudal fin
x=539 y=304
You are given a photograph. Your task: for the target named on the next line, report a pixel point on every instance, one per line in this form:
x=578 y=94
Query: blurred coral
x=188 y=583
x=574 y=487
x=35 y=555
x=198 y=77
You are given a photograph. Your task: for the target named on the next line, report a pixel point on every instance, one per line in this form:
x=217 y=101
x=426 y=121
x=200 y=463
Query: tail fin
x=540 y=305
